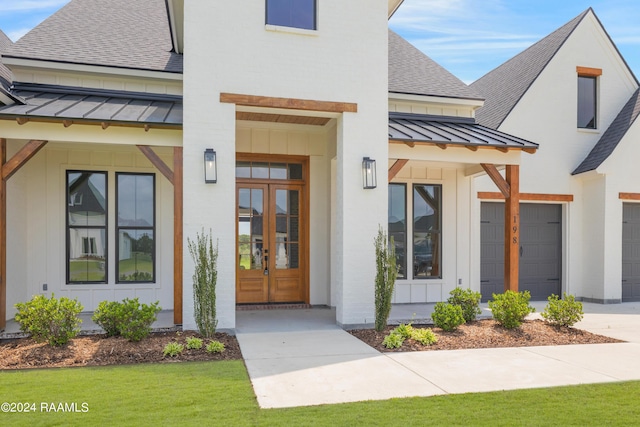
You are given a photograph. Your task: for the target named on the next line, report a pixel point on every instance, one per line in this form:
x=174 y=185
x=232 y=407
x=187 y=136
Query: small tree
x=205 y=276
x=386 y=273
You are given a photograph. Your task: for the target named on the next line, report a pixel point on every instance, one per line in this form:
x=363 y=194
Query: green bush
x=194 y=343
x=404 y=330
x=172 y=349
x=510 y=308
x=393 y=340
x=215 y=347
x=386 y=273
x=563 y=312
x=424 y=336
x=205 y=278
x=468 y=300
x=128 y=318
x=447 y=316
x=52 y=320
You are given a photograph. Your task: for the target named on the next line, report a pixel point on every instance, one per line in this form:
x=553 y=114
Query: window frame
x=315 y=18
x=118 y=228
x=69 y=227
x=439 y=232
x=594 y=79
x=406 y=226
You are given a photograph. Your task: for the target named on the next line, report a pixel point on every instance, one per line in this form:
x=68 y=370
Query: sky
x=467 y=37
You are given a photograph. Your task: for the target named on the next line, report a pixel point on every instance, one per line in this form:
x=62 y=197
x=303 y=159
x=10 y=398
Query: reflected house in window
x=427 y=202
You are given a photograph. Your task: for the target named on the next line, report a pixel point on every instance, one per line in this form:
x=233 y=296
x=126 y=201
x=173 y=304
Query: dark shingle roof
x=5 y=74
x=81 y=105
x=504 y=86
x=114 y=33
x=452 y=131
x=413 y=72
x=612 y=136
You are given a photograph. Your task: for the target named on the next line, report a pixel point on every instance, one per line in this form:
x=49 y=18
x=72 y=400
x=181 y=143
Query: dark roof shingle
x=612 y=136
x=504 y=86
x=413 y=72
x=5 y=74
x=113 y=33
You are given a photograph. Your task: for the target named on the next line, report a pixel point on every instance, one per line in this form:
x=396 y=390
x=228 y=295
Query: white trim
x=435 y=99
x=291 y=30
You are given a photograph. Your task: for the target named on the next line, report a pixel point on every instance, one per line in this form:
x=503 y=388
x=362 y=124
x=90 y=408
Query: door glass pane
x=278 y=171
x=293 y=202
x=250 y=228
x=294 y=228
x=281 y=202
x=427 y=206
x=295 y=171
x=87 y=198
x=282 y=257
x=135 y=255
x=293 y=255
x=243 y=170
x=87 y=249
x=260 y=170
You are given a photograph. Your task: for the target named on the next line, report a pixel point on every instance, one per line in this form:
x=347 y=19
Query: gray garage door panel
x=630 y=252
x=541 y=250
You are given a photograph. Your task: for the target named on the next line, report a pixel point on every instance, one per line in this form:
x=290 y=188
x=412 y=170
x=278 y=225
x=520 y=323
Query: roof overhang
x=445 y=132
x=393 y=6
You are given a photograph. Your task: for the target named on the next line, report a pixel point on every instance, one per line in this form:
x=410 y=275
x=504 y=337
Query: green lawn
x=219 y=393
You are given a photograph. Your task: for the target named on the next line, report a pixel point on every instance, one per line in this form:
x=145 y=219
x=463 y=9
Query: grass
x=219 y=393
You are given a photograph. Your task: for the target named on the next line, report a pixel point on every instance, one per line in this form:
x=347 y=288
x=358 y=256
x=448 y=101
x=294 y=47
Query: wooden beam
x=157 y=162
x=21 y=120
x=512 y=229
x=442 y=146
x=471 y=147
x=529 y=197
x=177 y=234
x=495 y=176
x=530 y=150
x=288 y=103
x=410 y=144
x=629 y=196
x=588 y=71
x=67 y=123
x=397 y=167
x=19 y=159
x=502 y=149
x=3 y=239
x=104 y=125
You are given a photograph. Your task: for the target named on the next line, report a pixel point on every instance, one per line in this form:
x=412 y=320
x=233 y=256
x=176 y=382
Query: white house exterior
x=292 y=104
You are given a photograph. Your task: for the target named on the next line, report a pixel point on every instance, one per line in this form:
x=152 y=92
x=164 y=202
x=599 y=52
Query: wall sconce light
x=369 y=173
x=210 y=167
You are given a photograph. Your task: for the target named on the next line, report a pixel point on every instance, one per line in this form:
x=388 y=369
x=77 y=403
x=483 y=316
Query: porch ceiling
x=71 y=105
x=452 y=131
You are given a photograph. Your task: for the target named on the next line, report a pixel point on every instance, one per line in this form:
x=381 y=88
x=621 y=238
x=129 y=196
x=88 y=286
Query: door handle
x=266 y=262
x=521 y=251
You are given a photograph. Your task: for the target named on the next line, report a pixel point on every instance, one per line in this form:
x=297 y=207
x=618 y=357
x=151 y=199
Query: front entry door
x=271 y=251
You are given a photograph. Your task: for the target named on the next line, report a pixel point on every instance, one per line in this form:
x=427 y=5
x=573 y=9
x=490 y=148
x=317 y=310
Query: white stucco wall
x=228 y=48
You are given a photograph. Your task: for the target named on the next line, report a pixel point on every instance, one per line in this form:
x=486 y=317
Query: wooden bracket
x=21 y=158
x=157 y=162
x=397 y=167
x=497 y=179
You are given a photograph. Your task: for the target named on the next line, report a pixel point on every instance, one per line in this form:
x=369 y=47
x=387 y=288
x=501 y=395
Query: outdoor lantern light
x=210 y=168
x=368 y=173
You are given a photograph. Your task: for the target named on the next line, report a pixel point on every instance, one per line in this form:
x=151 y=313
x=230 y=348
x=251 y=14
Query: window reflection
x=427 y=207
x=397 y=225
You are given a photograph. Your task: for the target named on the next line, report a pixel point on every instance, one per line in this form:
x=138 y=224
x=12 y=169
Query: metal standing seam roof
x=47 y=103
x=452 y=131
x=612 y=136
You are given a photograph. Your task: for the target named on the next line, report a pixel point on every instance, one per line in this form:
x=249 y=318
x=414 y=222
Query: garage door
x=630 y=252
x=540 y=249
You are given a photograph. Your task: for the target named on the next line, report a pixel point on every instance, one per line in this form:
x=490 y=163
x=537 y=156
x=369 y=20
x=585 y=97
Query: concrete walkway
x=300 y=358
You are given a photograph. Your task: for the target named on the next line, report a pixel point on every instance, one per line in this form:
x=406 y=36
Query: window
x=427 y=232
x=397 y=225
x=86 y=227
x=135 y=227
x=587 y=102
x=292 y=13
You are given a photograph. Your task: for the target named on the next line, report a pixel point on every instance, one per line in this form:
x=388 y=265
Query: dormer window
x=292 y=13
x=588 y=97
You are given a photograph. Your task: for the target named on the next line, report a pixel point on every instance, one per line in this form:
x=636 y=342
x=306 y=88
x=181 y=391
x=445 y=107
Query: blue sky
x=467 y=37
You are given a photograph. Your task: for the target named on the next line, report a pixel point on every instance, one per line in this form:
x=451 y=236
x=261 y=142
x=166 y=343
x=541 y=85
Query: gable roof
x=5 y=74
x=612 y=136
x=506 y=85
x=413 y=72
x=113 y=33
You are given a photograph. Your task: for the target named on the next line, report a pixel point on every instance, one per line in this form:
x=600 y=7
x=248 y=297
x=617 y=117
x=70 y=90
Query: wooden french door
x=271 y=247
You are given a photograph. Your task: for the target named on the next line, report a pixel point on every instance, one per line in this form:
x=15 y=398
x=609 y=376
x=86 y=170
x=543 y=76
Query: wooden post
x=177 y=235
x=512 y=229
x=3 y=238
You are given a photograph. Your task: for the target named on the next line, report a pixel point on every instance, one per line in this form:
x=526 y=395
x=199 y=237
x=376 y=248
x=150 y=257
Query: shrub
x=172 y=349
x=128 y=318
x=215 y=347
x=393 y=340
x=424 y=336
x=468 y=300
x=52 y=320
x=510 y=308
x=404 y=330
x=386 y=273
x=563 y=312
x=205 y=277
x=194 y=343
x=447 y=316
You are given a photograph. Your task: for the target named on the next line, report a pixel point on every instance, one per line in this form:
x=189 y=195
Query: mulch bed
x=97 y=350
x=488 y=334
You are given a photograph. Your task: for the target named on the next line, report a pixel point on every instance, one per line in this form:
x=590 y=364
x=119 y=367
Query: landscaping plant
x=52 y=320
x=468 y=300
x=403 y=332
x=447 y=316
x=563 y=312
x=386 y=273
x=194 y=343
x=172 y=349
x=215 y=347
x=128 y=318
x=393 y=340
x=424 y=336
x=205 y=276
x=510 y=308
